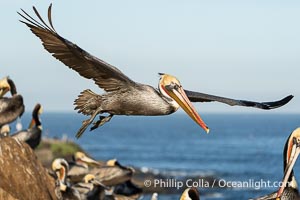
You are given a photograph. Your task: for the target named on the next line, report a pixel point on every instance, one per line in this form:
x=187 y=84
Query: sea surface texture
x=239 y=148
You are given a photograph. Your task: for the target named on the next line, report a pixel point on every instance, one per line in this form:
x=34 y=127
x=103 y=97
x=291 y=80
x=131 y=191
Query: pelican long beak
x=295 y=151
x=90 y=161
x=181 y=98
x=3 y=91
x=4 y=87
x=96 y=182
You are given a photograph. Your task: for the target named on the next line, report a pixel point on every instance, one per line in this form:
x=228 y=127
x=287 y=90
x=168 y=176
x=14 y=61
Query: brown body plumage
x=143 y=100
x=113 y=173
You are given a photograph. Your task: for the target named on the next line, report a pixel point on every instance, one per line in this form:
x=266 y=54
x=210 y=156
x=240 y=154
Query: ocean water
x=239 y=148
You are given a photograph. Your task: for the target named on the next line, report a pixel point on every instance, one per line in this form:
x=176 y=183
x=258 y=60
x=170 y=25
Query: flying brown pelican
x=289 y=189
x=190 y=194
x=123 y=96
x=90 y=189
x=10 y=107
x=113 y=173
x=80 y=166
x=63 y=191
x=33 y=135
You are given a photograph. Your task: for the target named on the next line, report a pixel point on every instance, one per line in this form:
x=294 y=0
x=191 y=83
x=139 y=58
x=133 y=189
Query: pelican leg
x=87 y=122
x=101 y=121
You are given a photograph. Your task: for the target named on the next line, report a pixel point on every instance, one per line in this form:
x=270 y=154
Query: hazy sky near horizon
x=240 y=49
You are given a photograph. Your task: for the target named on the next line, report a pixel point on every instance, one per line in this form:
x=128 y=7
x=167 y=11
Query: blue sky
x=239 y=49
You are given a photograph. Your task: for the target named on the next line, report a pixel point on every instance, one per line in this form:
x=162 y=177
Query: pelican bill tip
x=207 y=130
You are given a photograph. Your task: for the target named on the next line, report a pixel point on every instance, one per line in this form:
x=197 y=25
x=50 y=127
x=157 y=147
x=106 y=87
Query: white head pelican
x=64 y=191
x=10 y=107
x=289 y=186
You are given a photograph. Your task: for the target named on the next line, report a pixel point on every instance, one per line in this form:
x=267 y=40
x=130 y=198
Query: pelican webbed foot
x=87 y=122
x=102 y=120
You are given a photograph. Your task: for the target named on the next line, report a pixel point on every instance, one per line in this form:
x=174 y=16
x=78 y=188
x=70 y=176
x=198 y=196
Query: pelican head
x=190 y=194
x=112 y=162
x=81 y=157
x=38 y=110
x=115 y=163
x=90 y=178
x=4 y=86
x=61 y=168
x=291 y=153
x=4 y=131
x=170 y=87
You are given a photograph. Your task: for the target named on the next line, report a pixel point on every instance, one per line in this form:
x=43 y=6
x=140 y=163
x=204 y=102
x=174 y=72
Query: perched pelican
x=190 y=194
x=289 y=189
x=123 y=96
x=10 y=107
x=80 y=166
x=112 y=173
x=90 y=188
x=4 y=131
x=65 y=192
x=33 y=135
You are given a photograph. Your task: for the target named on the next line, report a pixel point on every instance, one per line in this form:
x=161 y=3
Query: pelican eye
x=173 y=86
x=176 y=86
x=296 y=141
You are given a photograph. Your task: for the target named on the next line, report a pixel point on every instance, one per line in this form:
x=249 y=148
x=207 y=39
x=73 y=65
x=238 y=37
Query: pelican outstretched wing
x=105 y=75
x=201 y=97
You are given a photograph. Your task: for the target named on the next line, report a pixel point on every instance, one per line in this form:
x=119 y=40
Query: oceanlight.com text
x=220 y=183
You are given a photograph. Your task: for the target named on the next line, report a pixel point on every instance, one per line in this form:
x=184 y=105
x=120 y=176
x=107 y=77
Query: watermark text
x=219 y=183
